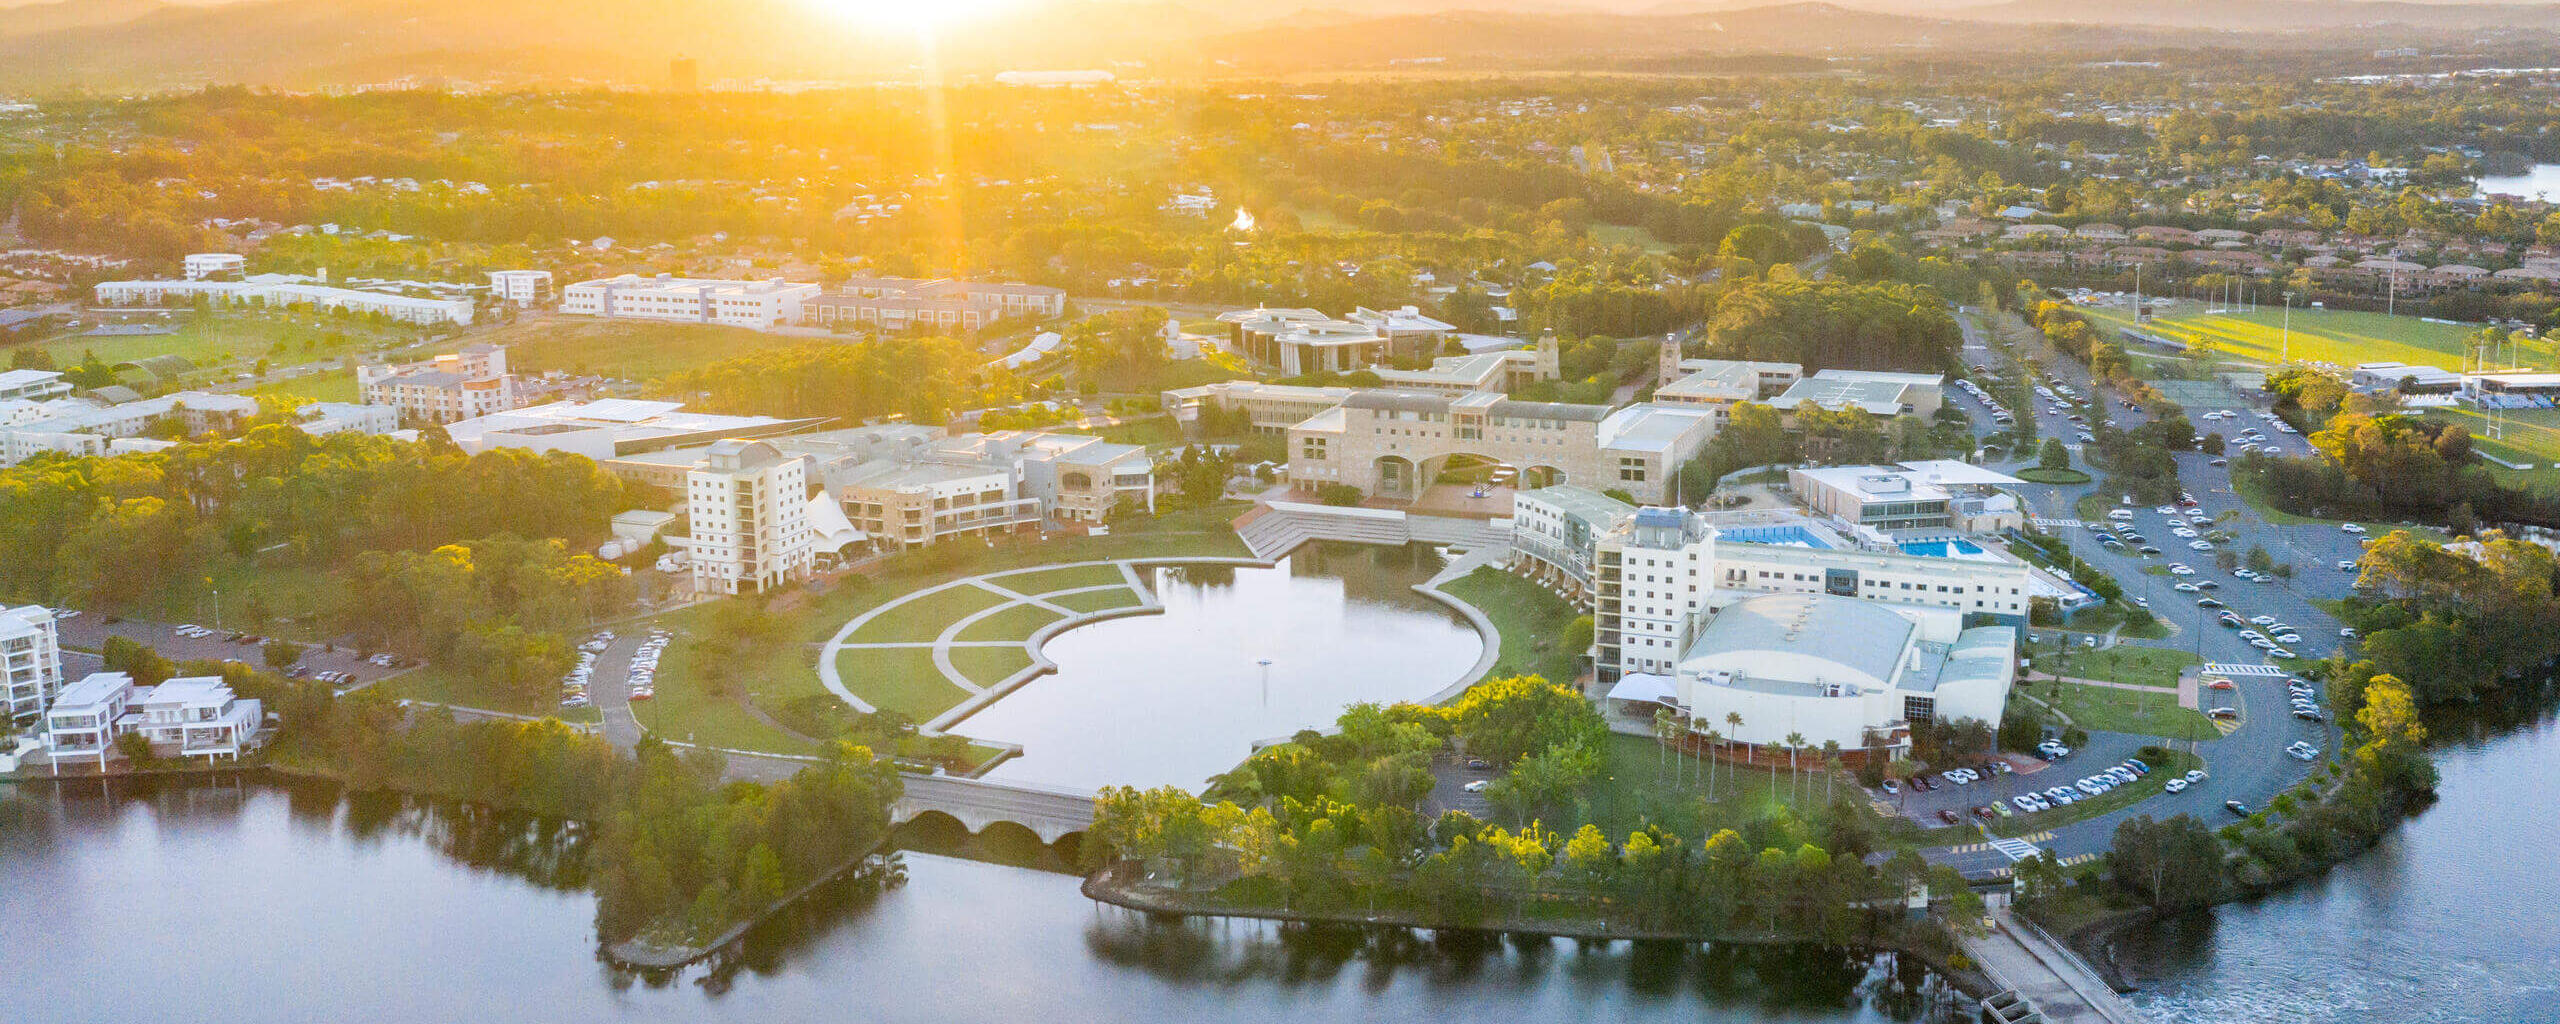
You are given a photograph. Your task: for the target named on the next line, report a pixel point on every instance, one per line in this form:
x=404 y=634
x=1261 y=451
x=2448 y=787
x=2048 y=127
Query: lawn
x=2318 y=336
x=684 y=710
x=1095 y=601
x=2124 y=663
x=1015 y=623
x=632 y=349
x=1639 y=783
x=1119 y=379
x=444 y=684
x=924 y=618
x=900 y=679
x=1530 y=620
x=266 y=594
x=2532 y=436
x=2112 y=709
x=209 y=341
x=1152 y=431
x=1074 y=577
x=2041 y=475
x=332 y=386
x=987 y=666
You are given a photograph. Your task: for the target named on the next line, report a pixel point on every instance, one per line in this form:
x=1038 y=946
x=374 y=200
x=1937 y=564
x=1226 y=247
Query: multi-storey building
x=32 y=385
x=1394 y=444
x=286 y=291
x=92 y=430
x=194 y=716
x=762 y=305
x=749 y=505
x=30 y=661
x=450 y=388
x=522 y=287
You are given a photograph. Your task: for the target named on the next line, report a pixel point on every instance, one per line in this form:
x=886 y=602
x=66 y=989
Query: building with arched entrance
x=1393 y=445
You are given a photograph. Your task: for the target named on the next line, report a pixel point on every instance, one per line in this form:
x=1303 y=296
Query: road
x=2249 y=765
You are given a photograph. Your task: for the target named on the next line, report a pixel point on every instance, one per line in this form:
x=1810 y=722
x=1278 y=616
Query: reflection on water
x=2542 y=182
x=2454 y=916
x=235 y=901
x=1175 y=698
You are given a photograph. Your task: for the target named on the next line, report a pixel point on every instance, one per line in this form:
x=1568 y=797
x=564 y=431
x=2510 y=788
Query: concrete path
x=2019 y=957
x=831 y=675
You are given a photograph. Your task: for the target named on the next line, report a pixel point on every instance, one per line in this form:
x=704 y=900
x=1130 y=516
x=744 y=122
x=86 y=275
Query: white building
x=452 y=387
x=608 y=427
x=94 y=430
x=750 y=510
x=195 y=716
x=1878 y=392
x=32 y=385
x=206 y=266
x=30 y=661
x=762 y=305
x=1797 y=671
x=335 y=417
x=286 y=291
x=522 y=287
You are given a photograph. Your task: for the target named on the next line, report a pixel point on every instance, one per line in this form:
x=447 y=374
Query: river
x=245 y=902
x=2453 y=917
x=2542 y=182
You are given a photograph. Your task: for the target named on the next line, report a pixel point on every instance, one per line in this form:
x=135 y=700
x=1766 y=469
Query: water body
x=1173 y=699
x=2542 y=182
x=2453 y=917
x=252 y=903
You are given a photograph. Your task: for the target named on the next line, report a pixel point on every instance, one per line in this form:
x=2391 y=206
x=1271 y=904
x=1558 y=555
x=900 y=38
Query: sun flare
x=924 y=16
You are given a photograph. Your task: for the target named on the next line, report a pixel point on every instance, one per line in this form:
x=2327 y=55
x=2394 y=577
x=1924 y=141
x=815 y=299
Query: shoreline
x=1104 y=887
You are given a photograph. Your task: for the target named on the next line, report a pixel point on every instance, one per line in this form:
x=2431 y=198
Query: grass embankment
x=445 y=684
x=781 y=676
x=1530 y=620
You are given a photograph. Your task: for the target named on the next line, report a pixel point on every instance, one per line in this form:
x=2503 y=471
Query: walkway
x=2020 y=958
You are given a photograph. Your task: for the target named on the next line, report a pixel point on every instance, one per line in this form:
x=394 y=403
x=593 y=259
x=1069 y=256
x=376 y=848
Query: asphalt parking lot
x=89 y=631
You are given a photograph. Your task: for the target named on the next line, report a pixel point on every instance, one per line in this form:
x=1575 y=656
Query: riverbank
x=1116 y=885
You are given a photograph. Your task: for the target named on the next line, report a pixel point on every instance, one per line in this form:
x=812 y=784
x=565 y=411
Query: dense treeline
x=1328 y=822
x=2454 y=624
x=103 y=532
x=1833 y=324
x=683 y=856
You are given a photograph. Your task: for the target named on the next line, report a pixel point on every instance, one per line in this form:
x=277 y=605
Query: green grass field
x=1014 y=623
x=1099 y=600
x=446 y=684
x=1074 y=577
x=902 y=679
x=987 y=666
x=2318 y=336
x=333 y=386
x=1530 y=620
x=2112 y=709
x=2124 y=663
x=924 y=618
x=211 y=341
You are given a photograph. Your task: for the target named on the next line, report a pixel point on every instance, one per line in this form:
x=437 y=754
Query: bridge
x=1050 y=812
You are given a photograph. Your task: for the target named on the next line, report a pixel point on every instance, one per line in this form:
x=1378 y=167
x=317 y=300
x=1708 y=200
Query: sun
x=922 y=16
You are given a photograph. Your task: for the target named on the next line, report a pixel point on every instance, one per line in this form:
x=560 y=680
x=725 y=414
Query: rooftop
x=1804 y=638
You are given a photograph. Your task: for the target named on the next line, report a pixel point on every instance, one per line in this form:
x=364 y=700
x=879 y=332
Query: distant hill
x=114 y=45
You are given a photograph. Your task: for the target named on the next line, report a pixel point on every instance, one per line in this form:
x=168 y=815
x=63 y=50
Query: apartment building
x=194 y=716
x=749 y=505
x=205 y=266
x=449 y=388
x=30 y=661
x=286 y=291
x=101 y=430
x=761 y=305
x=522 y=287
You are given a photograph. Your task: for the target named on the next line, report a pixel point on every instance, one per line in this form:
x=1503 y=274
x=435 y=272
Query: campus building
x=1782 y=672
x=83 y=429
x=285 y=291
x=194 y=716
x=1940 y=494
x=1268 y=408
x=205 y=266
x=1719 y=384
x=30 y=661
x=1300 y=341
x=897 y=304
x=1876 y=392
x=609 y=427
x=522 y=287
x=749 y=505
x=452 y=387
x=1394 y=444
x=761 y=305
x=1655 y=574
x=32 y=385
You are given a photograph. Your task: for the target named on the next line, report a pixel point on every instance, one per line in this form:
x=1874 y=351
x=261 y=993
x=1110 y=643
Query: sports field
x=2319 y=336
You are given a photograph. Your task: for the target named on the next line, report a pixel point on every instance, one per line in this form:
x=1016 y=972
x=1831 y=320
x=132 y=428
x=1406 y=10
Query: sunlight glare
x=923 y=16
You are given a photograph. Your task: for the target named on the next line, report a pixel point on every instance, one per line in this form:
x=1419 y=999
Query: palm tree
x=1795 y=743
x=1661 y=735
x=1713 y=737
x=1680 y=751
x=1830 y=767
x=1733 y=721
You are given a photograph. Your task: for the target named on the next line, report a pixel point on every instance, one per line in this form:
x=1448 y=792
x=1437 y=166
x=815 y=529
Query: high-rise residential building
x=30 y=661
x=749 y=504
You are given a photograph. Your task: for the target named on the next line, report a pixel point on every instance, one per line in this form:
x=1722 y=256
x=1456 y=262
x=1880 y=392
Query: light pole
x=1266 y=683
x=2288 y=330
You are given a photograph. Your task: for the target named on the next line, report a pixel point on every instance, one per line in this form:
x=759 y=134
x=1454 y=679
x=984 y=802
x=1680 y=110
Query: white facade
x=762 y=305
x=30 y=661
x=195 y=716
x=285 y=291
x=522 y=287
x=32 y=385
x=450 y=388
x=749 y=505
x=92 y=430
x=205 y=265
x=83 y=722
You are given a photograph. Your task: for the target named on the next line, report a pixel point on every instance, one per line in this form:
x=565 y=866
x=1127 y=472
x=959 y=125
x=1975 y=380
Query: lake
x=1173 y=699
x=245 y=902
x=2543 y=181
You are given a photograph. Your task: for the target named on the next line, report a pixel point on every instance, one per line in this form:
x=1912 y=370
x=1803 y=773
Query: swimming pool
x=1785 y=536
x=1942 y=548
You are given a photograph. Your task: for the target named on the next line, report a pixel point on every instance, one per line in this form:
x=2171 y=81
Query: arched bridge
x=1050 y=812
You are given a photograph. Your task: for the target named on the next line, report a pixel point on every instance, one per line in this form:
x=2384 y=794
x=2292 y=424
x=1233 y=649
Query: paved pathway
x=831 y=674
x=2052 y=979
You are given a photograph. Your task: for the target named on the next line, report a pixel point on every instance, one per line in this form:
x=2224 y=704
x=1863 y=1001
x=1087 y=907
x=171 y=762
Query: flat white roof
x=1957 y=473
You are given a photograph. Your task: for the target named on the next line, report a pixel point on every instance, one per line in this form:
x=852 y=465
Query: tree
x=1830 y=767
x=2213 y=445
x=2173 y=864
x=2395 y=744
x=1795 y=745
x=2054 y=455
x=281 y=654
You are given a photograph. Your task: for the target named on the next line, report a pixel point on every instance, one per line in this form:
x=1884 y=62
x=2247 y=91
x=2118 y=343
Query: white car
x=2263 y=620
x=2180 y=570
x=2198 y=545
x=2350 y=528
x=2176 y=786
x=1478 y=786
